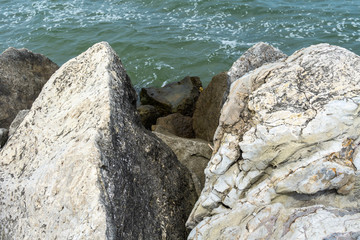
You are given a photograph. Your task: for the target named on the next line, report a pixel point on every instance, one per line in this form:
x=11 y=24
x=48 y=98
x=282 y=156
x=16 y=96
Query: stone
x=194 y=154
x=285 y=161
x=17 y=121
x=176 y=97
x=258 y=55
x=3 y=136
x=176 y=124
x=207 y=110
x=22 y=76
x=148 y=115
x=82 y=166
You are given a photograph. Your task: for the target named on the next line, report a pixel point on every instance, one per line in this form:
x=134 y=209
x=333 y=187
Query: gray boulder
x=82 y=166
x=22 y=76
x=287 y=152
x=176 y=97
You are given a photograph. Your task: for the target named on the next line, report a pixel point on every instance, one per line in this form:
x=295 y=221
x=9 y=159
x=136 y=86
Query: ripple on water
x=161 y=42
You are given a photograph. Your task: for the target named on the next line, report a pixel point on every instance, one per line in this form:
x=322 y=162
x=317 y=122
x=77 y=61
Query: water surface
x=163 y=41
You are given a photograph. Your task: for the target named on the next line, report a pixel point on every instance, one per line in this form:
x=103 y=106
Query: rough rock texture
x=81 y=165
x=22 y=76
x=192 y=153
x=287 y=152
x=17 y=121
x=207 y=110
x=174 y=97
x=176 y=124
x=253 y=58
x=3 y=136
x=148 y=115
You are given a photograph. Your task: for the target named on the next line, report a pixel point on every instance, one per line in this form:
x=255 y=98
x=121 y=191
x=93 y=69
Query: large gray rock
x=81 y=165
x=207 y=110
x=287 y=157
x=22 y=76
x=194 y=154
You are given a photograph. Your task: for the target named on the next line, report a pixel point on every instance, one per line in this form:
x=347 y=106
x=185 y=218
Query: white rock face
x=81 y=166
x=286 y=152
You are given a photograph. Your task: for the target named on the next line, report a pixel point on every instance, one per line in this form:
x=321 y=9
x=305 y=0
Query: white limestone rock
x=288 y=139
x=81 y=165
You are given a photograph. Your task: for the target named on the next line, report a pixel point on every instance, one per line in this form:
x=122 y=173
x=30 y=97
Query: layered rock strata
x=22 y=76
x=287 y=152
x=81 y=165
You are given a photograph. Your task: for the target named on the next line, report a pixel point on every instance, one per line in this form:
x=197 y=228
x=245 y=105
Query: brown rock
x=22 y=76
x=208 y=107
x=174 y=97
x=176 y=124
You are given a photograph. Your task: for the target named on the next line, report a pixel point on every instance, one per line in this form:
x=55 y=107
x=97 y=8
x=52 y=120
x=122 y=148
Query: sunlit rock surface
x=286 y=152
x=82 y=166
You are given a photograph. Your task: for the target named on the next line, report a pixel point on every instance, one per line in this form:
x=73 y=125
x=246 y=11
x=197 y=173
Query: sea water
x=161 y=41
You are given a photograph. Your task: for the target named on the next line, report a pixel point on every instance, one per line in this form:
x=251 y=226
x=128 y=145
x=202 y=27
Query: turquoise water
x=163 y=41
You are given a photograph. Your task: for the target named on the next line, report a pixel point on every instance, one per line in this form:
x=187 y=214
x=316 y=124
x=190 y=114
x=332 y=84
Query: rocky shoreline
x=269 y=150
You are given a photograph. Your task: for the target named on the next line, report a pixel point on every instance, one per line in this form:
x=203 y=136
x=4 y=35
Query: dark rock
x=22 y=76
x=148 y=115
x=174 y=97
x=177 y=124
x=3 y=136
x=208 y=107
